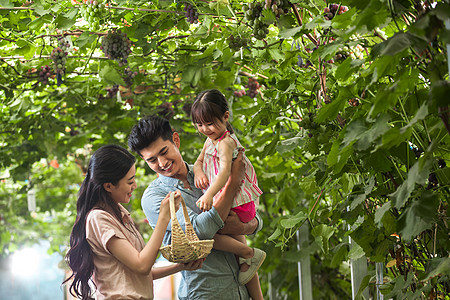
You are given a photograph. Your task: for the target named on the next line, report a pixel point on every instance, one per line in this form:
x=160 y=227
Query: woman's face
x=122 y=191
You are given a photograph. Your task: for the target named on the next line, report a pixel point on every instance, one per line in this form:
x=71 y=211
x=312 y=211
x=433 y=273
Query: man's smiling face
x=164 y=157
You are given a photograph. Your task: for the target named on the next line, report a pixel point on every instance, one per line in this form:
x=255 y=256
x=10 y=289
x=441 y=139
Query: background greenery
x=350 y=126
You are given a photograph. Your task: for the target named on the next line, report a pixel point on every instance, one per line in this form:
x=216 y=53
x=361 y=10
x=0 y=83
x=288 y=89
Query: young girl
x=105 y=246
x=210 y=113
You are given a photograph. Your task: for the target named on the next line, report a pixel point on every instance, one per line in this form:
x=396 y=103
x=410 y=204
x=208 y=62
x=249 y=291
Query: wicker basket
x=185 y=246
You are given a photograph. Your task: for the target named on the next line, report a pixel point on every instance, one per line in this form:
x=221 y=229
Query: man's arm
x=225 y=200
x=233 y=225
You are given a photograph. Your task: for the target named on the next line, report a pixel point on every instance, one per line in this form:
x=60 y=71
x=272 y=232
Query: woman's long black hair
x=108 y=164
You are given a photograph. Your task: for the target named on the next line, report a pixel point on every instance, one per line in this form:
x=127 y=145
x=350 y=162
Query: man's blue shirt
x=218 y=278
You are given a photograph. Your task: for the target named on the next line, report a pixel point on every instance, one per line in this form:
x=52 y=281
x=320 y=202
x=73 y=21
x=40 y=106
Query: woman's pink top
x=249 y=190
x=113 y=279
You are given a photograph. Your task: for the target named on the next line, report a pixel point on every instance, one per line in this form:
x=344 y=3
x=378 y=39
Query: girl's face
x=122 y=191
x=214 y=130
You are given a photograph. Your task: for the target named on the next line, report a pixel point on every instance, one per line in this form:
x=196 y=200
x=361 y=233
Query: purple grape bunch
x=44 y=74
x=278 y=7
x=112 y=91
x=334 y=9
x=59 y=56
x=116 y=45
x=191 y=13
x=253 y=87
x=129 y=76
x=236 y=42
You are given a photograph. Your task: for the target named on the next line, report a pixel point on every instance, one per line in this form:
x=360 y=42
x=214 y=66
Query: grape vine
x=116 y=45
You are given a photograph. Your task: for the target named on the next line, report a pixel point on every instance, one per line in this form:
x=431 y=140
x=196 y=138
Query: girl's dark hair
x=108 y=164
x=148 y=130
x=209 y=107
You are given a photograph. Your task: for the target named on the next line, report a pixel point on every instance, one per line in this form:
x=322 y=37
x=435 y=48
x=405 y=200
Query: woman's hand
x=192 y=265
x=164 y=210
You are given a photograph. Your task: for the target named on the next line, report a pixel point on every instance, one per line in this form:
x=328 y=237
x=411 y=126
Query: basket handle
x=173 y=212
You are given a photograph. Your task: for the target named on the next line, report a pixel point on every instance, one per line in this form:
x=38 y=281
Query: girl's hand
x=164 y=209
x=204 y=203
x=193 y=265
x=201 y=181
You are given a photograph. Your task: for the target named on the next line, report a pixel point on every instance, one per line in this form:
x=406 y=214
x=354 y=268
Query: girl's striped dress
x=249 y=190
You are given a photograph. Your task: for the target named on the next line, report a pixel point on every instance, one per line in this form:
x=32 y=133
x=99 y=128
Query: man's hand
x=238 y=168
x=233 y=224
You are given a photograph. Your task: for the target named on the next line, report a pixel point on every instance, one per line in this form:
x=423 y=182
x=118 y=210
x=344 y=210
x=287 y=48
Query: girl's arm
x=200 y=179
x=225 y=149
x=142 y=262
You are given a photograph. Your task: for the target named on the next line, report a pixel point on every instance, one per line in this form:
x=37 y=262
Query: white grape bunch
x=93 y=11
x=254 y=16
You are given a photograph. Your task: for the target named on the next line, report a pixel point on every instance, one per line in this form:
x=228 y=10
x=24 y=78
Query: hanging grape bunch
x=334 y=9
x=278 y=7
x=236 y=43
x=64 y=44
x=253 y=14
x=44 y=74
x=116 y=46
x=59 y=61
x=129 y=76
x=112 y=91
x=253 y=87
x=191 y=13
x=93 y=12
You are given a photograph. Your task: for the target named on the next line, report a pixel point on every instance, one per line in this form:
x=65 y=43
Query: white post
x=272 y=294
x=358 y=268
x=379 y=274
x=304 y=265
x=447 y=25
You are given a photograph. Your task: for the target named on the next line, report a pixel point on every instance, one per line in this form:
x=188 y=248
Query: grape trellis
x=342 y=108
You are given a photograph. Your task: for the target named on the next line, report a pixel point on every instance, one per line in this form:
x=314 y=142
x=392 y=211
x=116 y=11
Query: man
x=153 y=139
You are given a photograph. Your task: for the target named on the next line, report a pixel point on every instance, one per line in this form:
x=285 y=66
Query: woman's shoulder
x=99 y=215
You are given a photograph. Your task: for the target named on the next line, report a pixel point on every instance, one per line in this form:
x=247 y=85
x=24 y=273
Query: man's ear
x=176 y=139
x=108 y=186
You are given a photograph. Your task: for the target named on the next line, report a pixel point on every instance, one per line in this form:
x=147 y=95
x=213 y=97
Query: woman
x=105 y=245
